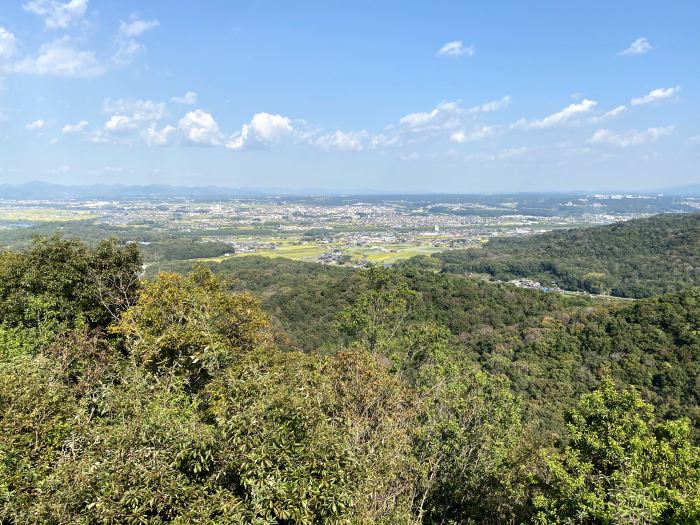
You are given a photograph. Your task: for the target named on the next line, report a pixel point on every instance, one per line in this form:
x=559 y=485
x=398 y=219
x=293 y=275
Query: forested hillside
x=638 y=258
x=429 y=399
x=305 y=298
x=553 y=347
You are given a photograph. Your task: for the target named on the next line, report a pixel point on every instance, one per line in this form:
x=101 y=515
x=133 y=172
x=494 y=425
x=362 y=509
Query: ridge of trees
x=637 y=258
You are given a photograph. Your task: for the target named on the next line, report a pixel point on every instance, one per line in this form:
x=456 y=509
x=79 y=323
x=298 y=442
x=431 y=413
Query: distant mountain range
x=46 y=190
x=40 y=190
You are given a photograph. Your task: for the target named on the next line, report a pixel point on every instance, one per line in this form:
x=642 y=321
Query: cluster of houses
x=534 y=285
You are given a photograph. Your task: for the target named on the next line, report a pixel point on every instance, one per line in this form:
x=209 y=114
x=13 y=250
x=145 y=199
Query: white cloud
x=655 y=95
x=136 y=27
x=189 y=98
x=695 y=139
x=615 y=112
x=60 y=58
x=559 y=118
x=445 y=120
x=608 y=114
x=126 y=52
x=127 y=45
x=264 y=130
x=57 y=15
x=638 y=47
x=36 y=125
x=494 y=105
x=158 y=137
x=142 y=110
x=119 y=123
x=199 y=127
x=444 y=115
x=126 y=116
x=456 y=49
x=343 y=140
x=8 y=44
x=72 y=129
x=462 y=137
x=384 y=140
x=629 y=138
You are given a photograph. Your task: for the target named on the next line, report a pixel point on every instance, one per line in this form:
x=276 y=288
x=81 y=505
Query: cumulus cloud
x=263 y=131
x=199 y=127
x=73 y=129
x=127 y=117
x=118 y=123
x=8 y=44
x=638 y=47
x=343 y=140
x=189 y=98
x=462 y=137
x=57 y=15
x=36 y=125
x=629 y=138
x=158 y=137
x=561 y=117
x=130 y=114
x=136 y=27
x=655 y=95
x=60 y=58
x=456 y=49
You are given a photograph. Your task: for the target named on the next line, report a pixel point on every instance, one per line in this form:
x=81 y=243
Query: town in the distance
x=176 y=224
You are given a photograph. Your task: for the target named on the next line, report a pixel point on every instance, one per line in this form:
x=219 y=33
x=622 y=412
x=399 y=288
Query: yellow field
x=311 y=252
x=44 y=214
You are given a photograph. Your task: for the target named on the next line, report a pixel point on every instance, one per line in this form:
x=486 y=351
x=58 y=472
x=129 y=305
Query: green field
x=380 y=254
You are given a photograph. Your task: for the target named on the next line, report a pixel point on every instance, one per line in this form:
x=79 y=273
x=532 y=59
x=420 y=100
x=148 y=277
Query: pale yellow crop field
x=44 y=214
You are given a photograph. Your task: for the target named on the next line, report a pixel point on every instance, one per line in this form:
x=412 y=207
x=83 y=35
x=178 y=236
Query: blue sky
x=385 y=95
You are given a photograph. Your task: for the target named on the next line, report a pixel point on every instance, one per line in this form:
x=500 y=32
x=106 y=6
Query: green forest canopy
x=435 y=398
x=637 y=258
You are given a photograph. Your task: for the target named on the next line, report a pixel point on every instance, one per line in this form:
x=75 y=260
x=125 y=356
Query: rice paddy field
x=377 y=254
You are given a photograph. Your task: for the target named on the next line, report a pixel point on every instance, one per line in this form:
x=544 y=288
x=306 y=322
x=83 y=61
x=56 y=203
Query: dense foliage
x=304 y=299
x=621 y=466
x=171 y=401
x=638 y=258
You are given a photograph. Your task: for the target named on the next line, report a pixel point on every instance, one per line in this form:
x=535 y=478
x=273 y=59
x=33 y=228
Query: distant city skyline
x=384 y=96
